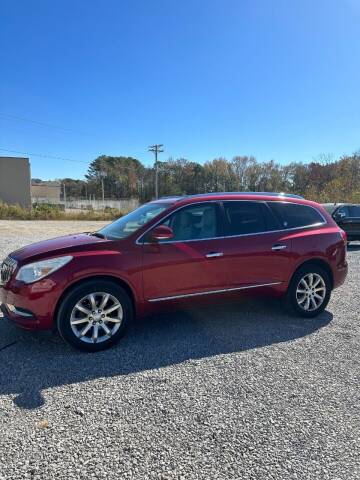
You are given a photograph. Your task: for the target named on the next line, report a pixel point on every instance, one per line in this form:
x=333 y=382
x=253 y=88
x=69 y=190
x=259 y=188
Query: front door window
x=196 y=222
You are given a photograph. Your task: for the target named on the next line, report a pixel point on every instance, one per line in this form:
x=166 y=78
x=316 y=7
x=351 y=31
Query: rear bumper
x=339 y=275
x=352 y=231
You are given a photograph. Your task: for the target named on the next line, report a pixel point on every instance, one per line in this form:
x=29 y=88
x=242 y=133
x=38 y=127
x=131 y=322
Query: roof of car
x=330 y=207
x=339 y=204
x=219 y=195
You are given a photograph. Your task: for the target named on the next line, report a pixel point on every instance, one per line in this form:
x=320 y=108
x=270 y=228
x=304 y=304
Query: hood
x=57 y=246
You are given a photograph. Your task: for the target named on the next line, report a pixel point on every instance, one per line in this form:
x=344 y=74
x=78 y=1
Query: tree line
x=322 y=180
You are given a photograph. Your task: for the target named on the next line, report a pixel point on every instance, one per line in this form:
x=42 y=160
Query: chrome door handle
x=278 y=247
x=214 y=254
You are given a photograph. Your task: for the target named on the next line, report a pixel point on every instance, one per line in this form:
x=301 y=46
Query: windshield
x=130 y=223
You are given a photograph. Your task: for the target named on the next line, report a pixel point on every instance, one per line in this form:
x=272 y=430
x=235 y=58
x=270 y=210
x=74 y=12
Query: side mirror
x=162 y=232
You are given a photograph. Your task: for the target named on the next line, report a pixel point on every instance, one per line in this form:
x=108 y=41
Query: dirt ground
x=46 y=228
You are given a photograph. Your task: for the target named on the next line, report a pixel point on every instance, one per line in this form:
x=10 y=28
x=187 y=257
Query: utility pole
x=64 y=195
x=103 y=175
x=156 y=149
x=142 y=187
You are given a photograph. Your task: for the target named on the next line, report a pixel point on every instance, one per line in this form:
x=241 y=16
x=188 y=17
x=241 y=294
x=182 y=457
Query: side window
x=248 y=217
x=195 y=222
x=292 y=215
x=354 y=211
x=343 y=211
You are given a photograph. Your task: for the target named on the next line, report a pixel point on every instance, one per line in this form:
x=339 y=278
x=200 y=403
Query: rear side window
x=292 y=215
x=354 y=210
x=343 y=211
x=248 y=217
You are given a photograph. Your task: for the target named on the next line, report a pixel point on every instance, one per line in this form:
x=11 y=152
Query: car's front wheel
x=309 y=291
x=94 y=315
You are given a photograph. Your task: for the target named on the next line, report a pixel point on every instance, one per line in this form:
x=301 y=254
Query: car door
x=354 y=221
x=341 y=215
x=257 y=252
x=192 y=263
x=348 y=218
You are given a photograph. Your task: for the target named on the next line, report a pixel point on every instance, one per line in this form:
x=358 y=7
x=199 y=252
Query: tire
x=298 y=301
x=87 y=325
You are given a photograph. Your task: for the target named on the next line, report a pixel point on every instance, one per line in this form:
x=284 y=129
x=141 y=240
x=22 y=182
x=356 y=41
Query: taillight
x=343 y=235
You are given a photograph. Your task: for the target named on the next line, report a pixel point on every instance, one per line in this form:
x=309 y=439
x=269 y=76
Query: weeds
x=53 y=212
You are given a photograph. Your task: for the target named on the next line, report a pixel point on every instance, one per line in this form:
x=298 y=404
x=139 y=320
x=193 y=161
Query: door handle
x=278 y=246
x=214 y=254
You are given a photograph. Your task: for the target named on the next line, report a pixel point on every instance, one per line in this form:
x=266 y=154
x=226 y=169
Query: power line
x=43 y=156
x=49 y=125
x=41 y=124
x=54 y=157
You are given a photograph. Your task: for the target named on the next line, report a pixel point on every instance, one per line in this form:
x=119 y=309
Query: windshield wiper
x=97 y=234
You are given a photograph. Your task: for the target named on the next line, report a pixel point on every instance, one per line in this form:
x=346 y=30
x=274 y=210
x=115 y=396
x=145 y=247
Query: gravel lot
x=227 y=392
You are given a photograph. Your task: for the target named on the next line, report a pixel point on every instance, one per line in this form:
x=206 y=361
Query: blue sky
x=275 y=79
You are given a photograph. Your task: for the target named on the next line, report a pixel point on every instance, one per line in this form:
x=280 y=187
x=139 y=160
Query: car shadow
x=34 y=362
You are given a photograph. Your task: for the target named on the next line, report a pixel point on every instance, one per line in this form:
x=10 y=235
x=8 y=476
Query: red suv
x=175 y=250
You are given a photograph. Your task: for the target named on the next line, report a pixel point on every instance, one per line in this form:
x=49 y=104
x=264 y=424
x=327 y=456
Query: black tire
x=71 y=300
x=292 y=299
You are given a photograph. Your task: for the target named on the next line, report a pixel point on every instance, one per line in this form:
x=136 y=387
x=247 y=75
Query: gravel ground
x=227 y=392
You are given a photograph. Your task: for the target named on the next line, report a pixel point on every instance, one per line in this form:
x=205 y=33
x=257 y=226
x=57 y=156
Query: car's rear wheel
x=94 y=315
x=309 y=291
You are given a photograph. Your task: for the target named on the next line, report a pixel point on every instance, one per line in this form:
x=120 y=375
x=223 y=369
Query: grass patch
x=53 y=212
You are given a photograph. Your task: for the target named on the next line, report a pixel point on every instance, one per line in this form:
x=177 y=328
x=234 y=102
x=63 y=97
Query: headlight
x=36 y=271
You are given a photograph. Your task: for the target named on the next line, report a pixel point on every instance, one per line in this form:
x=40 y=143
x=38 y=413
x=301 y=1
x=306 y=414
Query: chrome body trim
x=20 y=313
x=319 y=224
x=211 y=292
x=278 y=247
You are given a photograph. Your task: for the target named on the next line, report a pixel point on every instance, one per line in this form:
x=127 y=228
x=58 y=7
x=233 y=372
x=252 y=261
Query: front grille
x=7 y=269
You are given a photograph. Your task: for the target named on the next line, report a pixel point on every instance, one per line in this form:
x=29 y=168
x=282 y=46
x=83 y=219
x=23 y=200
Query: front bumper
x=29 y=306
x=29 y=322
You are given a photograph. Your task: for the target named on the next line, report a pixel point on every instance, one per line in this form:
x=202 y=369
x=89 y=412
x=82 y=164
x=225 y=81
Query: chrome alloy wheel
x=311 y=292
x=96 y=317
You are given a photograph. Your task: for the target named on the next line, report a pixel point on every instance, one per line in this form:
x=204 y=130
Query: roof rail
x=171 y=196
x=268 y=194
x=177 y=198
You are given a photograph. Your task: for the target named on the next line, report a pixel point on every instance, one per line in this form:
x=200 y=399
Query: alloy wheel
x=96 y=317
x=311 y=292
